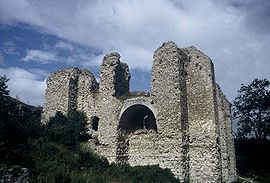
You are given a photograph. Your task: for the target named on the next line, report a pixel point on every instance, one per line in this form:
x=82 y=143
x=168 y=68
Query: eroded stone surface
x=184 y=124
x=14 y=174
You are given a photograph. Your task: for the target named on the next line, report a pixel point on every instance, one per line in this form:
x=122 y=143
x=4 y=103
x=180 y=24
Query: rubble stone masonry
x=183 y=124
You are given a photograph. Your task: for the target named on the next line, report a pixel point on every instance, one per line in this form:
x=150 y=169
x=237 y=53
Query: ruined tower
x=183 y=124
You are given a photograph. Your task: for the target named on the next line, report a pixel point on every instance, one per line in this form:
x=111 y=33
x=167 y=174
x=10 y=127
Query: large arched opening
x=137 y=117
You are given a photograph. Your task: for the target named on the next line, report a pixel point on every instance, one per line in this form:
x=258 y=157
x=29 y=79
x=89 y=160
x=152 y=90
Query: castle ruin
x=183 y=124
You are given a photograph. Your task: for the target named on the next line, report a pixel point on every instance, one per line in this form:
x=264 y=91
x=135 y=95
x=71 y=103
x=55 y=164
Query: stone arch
x=137 y=113
x=137 y=117
x=145 y=101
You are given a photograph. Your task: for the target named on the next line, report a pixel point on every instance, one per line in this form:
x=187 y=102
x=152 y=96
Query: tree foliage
x=4 y=93
x=67 y=130
x=252 y=109
x=3 y=87
x=18 y=124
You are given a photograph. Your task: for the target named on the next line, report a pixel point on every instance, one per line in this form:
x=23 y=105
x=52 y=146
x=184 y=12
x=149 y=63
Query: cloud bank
x=40 y=56
x=27 y=85
x=235 y=34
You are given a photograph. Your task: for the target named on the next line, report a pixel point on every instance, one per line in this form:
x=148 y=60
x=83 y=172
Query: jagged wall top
x=192 y=115
x=114 y=75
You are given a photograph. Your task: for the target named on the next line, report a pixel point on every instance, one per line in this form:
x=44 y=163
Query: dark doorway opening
x=137 y=117
x=95 y=123
x=134 y=118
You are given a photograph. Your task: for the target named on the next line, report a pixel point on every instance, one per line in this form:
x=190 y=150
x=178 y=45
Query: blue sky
x=39 y=37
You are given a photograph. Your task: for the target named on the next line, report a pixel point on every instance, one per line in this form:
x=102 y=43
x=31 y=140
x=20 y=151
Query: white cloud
x=83 y=57
x=40 y=56
x=64 y=45
x=225 y=30
x=78 y=55
x=28 y=86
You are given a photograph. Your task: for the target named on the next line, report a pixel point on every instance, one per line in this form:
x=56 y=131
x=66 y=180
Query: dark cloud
x=257 y=14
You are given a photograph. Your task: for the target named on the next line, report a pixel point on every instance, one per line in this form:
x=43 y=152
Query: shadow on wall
x=137 y=117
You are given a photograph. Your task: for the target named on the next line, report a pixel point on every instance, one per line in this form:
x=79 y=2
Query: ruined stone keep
x=183 y=123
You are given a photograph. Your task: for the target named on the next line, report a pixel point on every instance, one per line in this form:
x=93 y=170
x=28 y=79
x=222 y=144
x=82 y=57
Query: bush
x=67 y=130
x=18 y=124
x=53 y=162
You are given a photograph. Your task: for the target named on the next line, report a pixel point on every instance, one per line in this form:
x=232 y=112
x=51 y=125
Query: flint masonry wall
x=114 y=82
x=60 y=93
x=203 y=129
x=168 y=95
x=223 y=136
x=228 y=158
x=70 y=89
x=184 y=124
x=87 y=87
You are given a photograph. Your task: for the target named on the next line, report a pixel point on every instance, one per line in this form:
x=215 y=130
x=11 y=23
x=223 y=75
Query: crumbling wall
x=61 y=92
x=167 y=94
x=114 y=76
x=229 y=138
x=86 y=93
x=223 y=136
x=226 y=139
x=114 y=82
x=70 y=89
x=192 y=135
x=143 y=148
x=204 y=156
x=14 y=174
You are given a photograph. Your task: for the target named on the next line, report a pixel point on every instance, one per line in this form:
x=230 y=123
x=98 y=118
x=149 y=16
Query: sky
x=40 y=37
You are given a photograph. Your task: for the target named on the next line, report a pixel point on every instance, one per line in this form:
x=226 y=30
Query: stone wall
x=223 y=136
x=114 y=75
x=70 y=89
x=232 y=175
x=184 y=124
x=14 y=174
x=114 y=82
x=167 y=93
x=59 y=94
x=202 y=118
x=86 y=93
